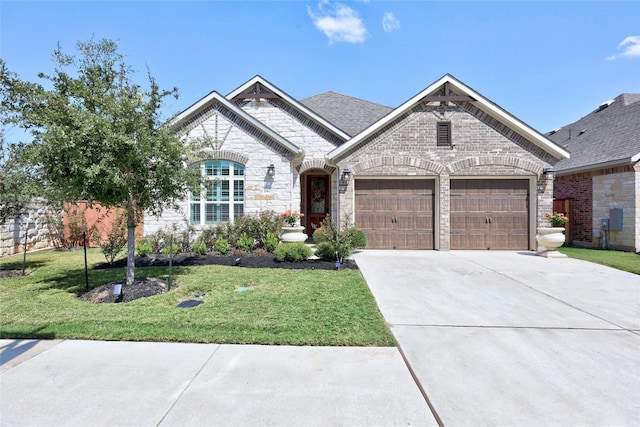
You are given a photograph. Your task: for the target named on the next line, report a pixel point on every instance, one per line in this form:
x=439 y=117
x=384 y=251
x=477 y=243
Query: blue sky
x=548 y=63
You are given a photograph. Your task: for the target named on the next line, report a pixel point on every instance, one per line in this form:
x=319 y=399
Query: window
x=443 y=134
x=222 y=195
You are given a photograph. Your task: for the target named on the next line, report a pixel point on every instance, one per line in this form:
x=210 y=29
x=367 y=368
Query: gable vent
x=443 y=134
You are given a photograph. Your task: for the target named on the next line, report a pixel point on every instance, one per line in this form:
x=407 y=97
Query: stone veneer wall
x=483 y=148
x=12 y=233
x=618 y=190
x=232 y=139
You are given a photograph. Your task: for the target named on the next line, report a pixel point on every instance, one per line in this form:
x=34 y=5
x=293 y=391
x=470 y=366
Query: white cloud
x=338 y=22
x=389 y=22
x=630 y=47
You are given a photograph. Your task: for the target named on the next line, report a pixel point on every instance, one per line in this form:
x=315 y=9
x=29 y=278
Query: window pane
x=238 y=170
x=210 y=213
x=224 y=168
x=224 y=194
x=224 y=212
x=238 y=191
x=210 y=168
x=212 y=191
x=195 y=213
x=238 y=210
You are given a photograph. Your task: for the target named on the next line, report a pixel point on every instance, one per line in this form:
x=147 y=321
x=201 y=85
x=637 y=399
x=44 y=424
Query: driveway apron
x=508 y=338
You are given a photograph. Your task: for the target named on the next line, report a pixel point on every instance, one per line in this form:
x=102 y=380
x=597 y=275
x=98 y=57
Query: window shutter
x=443 y=134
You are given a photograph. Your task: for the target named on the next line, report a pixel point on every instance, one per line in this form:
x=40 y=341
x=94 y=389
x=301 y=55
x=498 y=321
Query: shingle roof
x=607 y=136
x=352 y=115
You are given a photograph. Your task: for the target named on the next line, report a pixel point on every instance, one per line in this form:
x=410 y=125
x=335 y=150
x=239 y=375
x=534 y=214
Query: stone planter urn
x=549 y=239
x=292 y=234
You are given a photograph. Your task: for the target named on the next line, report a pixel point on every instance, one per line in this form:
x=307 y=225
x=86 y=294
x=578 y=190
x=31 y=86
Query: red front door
x=318 y=201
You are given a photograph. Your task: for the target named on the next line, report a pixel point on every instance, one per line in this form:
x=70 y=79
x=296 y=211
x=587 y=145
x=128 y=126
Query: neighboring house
x=601 y=180
x=448 y=169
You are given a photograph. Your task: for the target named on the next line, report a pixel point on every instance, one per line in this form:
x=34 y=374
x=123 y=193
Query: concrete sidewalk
x=508 y=338
x=92 y=383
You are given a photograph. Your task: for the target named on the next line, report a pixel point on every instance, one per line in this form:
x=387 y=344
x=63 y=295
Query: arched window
x=222 y=195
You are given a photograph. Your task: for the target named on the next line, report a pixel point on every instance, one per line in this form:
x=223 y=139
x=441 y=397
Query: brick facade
x=482 y=148
x=593 y=194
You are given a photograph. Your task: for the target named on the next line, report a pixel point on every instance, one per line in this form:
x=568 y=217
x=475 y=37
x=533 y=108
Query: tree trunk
x=131 y=242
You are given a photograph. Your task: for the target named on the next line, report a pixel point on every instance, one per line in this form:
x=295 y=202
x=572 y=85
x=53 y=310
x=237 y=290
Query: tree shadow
x=74 y=280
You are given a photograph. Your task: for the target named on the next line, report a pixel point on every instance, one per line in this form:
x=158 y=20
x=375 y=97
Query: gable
x=260 y=90
x=448 y=92
x=213 y=105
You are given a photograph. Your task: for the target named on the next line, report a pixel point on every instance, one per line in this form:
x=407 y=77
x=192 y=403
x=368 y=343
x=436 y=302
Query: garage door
x=395 y=214
x=489 y=214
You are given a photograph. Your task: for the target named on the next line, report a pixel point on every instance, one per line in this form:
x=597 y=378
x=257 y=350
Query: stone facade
x=230 y=140
x=482 y=148
x=33 y=223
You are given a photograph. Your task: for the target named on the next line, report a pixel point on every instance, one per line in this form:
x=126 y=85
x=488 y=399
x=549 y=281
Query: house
x=447 y=169
x=599 y=186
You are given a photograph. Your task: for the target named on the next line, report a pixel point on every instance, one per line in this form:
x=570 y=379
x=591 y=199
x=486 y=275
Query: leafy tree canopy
x=98 y=135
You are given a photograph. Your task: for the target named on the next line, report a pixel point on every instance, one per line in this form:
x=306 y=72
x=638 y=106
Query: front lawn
x=626 y=261
x=285 y=307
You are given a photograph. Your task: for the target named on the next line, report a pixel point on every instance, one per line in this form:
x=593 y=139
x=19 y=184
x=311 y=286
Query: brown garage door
x=395 y=214
x=489 y=214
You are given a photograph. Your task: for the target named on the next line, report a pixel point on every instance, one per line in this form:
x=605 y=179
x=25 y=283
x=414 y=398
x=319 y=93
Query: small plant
x=222 y=245
x=199 y=248
x=336 y=245
x=143 y=248
x=293 y=252
x=556 y=219
x=115 y=241
x=260 y=252
x=291 y=218
x=245 y=242
x=171 y=249
x=270 y=242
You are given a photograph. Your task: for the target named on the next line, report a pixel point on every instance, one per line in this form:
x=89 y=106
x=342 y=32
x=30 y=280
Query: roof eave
x=611 y=163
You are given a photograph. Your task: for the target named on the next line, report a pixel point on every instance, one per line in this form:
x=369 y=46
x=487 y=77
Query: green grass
x=286 y=307
x=626 y=261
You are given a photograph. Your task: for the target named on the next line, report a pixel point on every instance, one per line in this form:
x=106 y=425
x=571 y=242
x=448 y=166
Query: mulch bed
x=248 y=260
x=146 y=287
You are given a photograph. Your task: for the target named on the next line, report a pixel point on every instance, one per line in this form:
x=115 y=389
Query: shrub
x=358 y=238
x=143 y=248
x=222 y=245
x=171 y=249
x=115 y=241
x=293 y=252
x=245 y=242
x=260 y=252
x=199 y=248
x=326 y=251
x=336 y=245
x=270 y=241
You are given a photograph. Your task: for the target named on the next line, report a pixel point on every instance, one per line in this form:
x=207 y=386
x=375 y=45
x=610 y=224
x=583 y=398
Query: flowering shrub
x=556 y=219
x=291 y=217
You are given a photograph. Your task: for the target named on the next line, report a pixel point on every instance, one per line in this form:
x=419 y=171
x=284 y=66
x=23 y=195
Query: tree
x=97 y=135
x=14 y=194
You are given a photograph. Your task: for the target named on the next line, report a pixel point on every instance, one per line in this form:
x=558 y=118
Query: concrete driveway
x=508 y=338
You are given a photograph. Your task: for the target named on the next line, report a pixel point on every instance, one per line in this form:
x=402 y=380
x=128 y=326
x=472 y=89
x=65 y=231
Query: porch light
x=271 y=170
x=346 y=175
x=548 y=173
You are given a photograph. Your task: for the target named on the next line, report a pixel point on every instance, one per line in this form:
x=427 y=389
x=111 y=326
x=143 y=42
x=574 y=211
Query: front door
x=318 y=201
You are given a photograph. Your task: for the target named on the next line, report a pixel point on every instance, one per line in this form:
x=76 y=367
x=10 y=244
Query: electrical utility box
x=615 y=219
